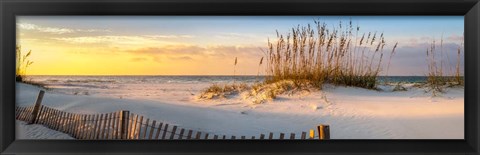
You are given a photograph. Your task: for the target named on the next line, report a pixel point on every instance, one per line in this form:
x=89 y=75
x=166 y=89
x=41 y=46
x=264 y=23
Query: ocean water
x=106 y=82
x=151 y=86
x=144 y=87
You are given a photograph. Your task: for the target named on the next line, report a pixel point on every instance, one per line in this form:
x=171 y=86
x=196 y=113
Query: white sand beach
x=352 y=113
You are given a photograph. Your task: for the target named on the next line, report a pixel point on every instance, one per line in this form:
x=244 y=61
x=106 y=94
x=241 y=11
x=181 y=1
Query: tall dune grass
x=318 y=54
x=22 y=64
x=437 y=77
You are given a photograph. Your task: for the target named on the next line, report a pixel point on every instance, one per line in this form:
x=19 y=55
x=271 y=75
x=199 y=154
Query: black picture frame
x=11 y=8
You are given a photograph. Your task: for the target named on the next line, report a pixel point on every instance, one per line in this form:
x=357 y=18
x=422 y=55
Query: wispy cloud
x=412 y=59
x=168 y=36
x=127 y=42
x=237 y=36
x=455 y=37
x=138 y=59
x=56 y=30
x=192 y=52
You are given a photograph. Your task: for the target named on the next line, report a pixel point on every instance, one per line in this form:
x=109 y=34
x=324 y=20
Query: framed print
x=239 y=77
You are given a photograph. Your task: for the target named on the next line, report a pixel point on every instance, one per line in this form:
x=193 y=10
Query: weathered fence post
x=124 y=125
x=323 y=132
x=37 y=106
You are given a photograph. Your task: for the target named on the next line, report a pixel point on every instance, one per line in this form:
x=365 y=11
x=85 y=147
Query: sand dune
x=352 y=113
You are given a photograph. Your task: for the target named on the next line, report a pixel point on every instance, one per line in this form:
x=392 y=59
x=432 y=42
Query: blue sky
x=413 y=33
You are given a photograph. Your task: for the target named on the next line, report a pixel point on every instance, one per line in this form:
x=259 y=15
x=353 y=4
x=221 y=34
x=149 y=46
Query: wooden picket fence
x=128 y=126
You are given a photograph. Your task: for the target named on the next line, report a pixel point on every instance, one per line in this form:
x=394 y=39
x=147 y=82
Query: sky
x=207 y=45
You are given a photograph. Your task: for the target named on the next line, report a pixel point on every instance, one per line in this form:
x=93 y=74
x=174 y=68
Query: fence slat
x=197 y=136
x=94 y=129
x=270 y=136
x=224 y=137
x=36 y=107
x=323 y=132
x=152 y=128
x=31 y=114
x=215 y=136
x=119 y=124
x=262 y=136
x=42 y=115
x=114 y=124
x=16 y=112
x=282 y=135
x=72 y=124
x=57 y=120
x=28 y=122
x=312 y=134
x=89 y=126
x=130 y=125
x=66 y=122
x=36 y=119
x=159 y=129
x=99 y=128
x=107 y=126
x=68 y=127
x=124 y=129
x=140 y=123
x=85 y=127
x=104 y=127
x=79 y=125
x=62 y=121
x=39 y=115
x=173 y=132
x=292 y=135
x=165 y=131
x=233 y=137
x=189 y=135
x=145 y=129
x=49 y=118
x=206 y=136
x=134 y=126
x=75 y=125
x=304 y=135
x=20 y=111
x=25 y=113
x=92 y=124
x=181 y=134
